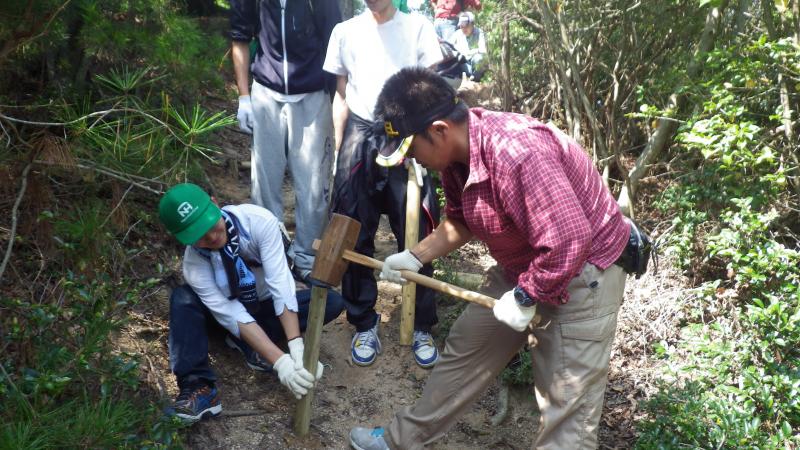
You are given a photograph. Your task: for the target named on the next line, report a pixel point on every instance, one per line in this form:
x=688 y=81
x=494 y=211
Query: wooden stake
x=408 y=306
x=316 y=316
x=329 y=266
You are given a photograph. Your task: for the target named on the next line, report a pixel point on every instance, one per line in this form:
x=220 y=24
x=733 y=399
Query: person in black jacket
x=288 y=110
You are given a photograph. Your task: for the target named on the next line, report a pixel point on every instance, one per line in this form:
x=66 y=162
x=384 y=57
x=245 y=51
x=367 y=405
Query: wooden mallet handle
x=441 y=286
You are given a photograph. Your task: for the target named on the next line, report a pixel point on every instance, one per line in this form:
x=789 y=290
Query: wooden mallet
x=441 y=286
x=329 y=267
x=334 y=252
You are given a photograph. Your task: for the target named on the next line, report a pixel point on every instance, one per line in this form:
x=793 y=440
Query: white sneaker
x=365 y=346
x=425 y=352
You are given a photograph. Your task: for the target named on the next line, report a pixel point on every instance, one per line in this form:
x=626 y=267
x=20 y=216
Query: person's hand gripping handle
x=392 y=266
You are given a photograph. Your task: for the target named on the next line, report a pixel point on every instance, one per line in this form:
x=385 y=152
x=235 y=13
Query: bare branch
x=14 y=218
x=34 y=33
x=110 y=173
x=117 y=206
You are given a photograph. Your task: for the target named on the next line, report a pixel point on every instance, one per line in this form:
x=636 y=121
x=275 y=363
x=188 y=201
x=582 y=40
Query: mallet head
x=340 y=235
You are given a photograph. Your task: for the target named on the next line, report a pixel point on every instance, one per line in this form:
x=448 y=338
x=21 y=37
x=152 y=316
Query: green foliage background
x=101 y=100
x=728 y=192
x=735 y=226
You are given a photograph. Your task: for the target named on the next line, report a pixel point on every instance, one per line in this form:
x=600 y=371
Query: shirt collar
x=477 y=169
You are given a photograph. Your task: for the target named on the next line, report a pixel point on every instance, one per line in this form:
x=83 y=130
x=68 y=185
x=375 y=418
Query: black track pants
x=363 y=190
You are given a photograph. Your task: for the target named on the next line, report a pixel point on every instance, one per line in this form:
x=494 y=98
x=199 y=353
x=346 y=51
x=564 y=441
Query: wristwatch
x=522 y=298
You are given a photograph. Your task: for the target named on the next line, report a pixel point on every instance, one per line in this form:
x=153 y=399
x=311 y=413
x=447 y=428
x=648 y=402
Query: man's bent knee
x=182 y=297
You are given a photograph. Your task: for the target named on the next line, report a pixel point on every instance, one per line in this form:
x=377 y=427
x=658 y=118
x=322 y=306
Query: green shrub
x=106 y=99
x=65 y=387
x=736 y=370
x=520 y=371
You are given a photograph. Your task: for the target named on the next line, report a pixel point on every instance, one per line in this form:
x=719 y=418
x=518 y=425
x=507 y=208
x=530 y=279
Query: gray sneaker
x=367 y=439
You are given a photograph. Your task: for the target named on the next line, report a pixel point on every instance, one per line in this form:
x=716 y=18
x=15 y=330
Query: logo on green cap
x=185 y=210
x=188 y=212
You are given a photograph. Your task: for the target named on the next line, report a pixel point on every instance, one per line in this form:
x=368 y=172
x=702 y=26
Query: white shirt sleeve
x=199 y=275
x=481 y=42
x=428 y=51
x=333 y=58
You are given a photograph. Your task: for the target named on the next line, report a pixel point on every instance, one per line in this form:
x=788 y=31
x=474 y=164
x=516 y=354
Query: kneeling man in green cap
x=236 y=276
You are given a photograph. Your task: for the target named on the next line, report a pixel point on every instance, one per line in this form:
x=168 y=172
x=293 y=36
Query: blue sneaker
x=425 y=352
x=193 y=403
x=365 y=346
x=251 y=357
x=368 y=439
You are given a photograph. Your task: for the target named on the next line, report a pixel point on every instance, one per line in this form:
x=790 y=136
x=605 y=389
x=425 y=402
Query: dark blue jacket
x=296 y=67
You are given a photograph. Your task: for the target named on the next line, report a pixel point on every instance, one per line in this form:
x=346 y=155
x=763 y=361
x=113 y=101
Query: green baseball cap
x=188 y=212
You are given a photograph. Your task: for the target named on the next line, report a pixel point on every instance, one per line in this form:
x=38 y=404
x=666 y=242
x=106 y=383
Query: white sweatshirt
x=260 y=243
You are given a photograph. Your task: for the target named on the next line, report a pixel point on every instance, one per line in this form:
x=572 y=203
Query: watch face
x=522 y=297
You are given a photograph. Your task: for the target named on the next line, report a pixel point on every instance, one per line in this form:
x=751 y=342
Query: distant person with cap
x=470 y=41
x=534 y=197
x=236 y=277
x=445 y=15
x=363 y=53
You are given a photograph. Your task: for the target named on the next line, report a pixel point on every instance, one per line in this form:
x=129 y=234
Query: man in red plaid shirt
x=535 y=198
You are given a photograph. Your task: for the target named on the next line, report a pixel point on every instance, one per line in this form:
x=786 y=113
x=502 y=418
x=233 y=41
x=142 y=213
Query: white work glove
x=397 y=262
x=507 y=310
x=245 y=114
x=296 y=349
x=297 y=381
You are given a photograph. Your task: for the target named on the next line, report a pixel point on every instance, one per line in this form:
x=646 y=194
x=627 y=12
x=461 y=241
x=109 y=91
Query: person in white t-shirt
x=363 y=53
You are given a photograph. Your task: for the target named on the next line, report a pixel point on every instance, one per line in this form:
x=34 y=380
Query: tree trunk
x=564 y=44
x=565 y=73
x=505 y=68
x=666 y=127
x=785 y=91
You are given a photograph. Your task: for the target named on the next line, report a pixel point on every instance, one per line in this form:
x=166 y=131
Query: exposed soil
x=257 y=410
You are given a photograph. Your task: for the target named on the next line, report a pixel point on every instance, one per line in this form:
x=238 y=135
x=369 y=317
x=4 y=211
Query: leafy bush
x=736 y=372
x=65 y=387
x=106 y=110
x=519 y=372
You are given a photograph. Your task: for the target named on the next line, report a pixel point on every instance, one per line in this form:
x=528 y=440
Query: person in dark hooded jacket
x=288 y=109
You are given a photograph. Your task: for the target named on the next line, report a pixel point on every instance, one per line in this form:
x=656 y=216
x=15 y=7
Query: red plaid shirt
x=445 y=9
x=534 y=196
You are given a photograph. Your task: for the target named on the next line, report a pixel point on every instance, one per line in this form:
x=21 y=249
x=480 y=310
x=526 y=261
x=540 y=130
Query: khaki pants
x=570 y=364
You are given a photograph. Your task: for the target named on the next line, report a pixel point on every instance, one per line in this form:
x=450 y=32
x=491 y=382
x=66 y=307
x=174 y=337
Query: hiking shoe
x=195 y=402
x=425 y=352
x=251 y=357
x=365 y=346
x=367 y=439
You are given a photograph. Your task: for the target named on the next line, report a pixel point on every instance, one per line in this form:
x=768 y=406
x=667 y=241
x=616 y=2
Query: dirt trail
x=258 y=411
